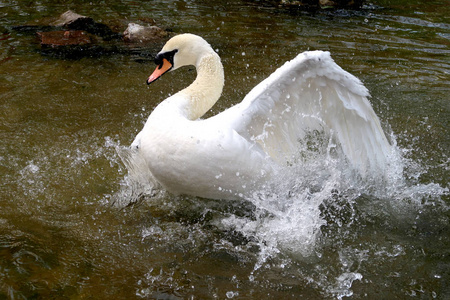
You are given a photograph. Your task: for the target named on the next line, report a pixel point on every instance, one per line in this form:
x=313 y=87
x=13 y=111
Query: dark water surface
x=62 y=120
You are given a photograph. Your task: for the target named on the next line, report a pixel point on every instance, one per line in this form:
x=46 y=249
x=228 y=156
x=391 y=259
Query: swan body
x=235 y=153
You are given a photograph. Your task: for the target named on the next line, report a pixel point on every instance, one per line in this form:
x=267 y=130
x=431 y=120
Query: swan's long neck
x=204 y=92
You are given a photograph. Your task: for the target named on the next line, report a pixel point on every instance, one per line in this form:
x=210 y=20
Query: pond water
x=63 y=122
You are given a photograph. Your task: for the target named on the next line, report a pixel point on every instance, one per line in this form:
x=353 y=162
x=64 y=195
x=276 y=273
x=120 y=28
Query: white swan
x=236 y=152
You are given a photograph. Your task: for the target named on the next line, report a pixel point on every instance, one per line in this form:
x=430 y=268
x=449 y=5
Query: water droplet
x=231 y=294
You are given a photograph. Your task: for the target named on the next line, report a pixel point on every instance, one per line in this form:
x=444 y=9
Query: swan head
x=181 y=50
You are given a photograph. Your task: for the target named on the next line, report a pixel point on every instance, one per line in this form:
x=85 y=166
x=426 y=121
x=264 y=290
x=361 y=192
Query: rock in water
x=74 y=36
x=355 y=4
x=64 y=38
x=72 y=19
x=136 y=33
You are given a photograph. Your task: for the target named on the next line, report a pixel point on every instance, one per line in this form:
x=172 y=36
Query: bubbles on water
x=231 y=294
x=396 y=251
x=31 y=180
x=344 y=283
x=30 y=168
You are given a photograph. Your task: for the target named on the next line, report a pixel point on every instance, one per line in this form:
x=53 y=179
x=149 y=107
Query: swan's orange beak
x=160 y=70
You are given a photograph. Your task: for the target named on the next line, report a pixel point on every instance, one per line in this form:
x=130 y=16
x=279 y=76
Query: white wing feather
x=311 y=92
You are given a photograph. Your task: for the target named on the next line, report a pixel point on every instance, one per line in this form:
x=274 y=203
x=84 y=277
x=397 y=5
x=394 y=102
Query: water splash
x=316 y=203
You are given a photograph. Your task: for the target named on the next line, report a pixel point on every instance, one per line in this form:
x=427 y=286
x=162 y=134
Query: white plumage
x=237 y=152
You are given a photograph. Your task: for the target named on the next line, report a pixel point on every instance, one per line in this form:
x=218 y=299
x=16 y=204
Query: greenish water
x=61 y=121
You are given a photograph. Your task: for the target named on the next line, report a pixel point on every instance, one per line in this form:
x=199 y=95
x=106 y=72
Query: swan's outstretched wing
x=308 y=94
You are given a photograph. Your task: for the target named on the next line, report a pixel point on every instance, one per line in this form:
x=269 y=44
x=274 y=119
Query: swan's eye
x=167 y=55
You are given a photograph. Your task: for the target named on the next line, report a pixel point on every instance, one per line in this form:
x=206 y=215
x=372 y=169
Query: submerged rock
x=136 y=33
x=71 y=18
x=143 y=40
x=74 y=21
x=73 y=36
x=71 y=44
x=324 y=3
x=341 y=3
x=64 y=38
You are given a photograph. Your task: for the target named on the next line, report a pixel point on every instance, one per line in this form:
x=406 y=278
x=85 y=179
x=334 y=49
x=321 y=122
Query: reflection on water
x=62 y=121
